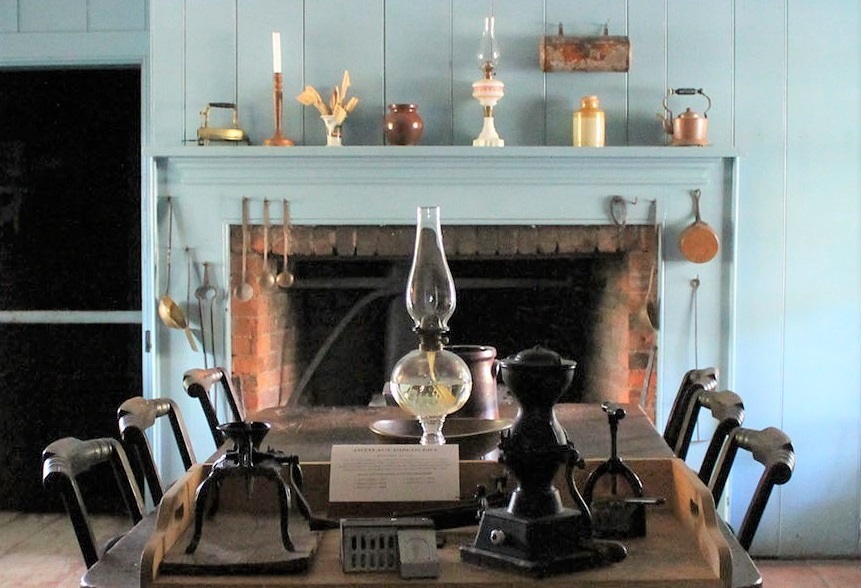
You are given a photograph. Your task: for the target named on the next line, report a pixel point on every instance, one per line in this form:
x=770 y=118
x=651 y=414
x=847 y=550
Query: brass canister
x=589 y=123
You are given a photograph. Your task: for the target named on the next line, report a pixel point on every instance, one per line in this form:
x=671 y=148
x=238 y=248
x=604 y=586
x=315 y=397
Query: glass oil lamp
x=430 y=382
x=488 y=90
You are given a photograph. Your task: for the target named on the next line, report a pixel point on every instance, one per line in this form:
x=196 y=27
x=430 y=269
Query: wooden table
x=311 y=432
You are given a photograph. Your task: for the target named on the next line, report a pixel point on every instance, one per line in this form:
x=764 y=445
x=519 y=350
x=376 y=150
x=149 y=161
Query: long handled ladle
x=284 y=279
x=267 y=278
x=168 y=310
x=243 y=290
x=205 y=294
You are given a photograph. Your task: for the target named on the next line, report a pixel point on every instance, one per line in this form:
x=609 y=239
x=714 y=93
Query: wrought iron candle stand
x=247 y=461
x=535 y=534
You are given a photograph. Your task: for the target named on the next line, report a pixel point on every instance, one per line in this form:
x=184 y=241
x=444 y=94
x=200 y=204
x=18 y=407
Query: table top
x=310 y=433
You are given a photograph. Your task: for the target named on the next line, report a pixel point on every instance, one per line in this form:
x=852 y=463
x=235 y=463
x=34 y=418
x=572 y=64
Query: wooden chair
x=773 y=449
x=199 y=382
x=64 y=460
x=727 y=408
x=134 y=417
x=692 y=382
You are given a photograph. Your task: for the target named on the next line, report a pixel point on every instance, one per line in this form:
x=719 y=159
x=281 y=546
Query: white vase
x=333 y=130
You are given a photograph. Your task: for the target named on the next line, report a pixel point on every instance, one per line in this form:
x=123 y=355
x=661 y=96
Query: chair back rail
x=725 y=406
x=692 y=382
x=727 y=409
x=134 y=417
x=65 y=459
x=773 y=449
x=199 y=382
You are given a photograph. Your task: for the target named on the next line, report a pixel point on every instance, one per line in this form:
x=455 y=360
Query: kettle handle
x=689 y=92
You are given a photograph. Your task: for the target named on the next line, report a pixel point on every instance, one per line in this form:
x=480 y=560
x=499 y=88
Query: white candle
x=276 y=52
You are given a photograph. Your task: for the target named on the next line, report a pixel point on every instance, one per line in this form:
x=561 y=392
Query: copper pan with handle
x=698 y=242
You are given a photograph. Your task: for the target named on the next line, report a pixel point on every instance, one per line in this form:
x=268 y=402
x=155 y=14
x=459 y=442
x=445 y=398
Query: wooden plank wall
x=768 y=66
x=404 y=51
x=784 y=78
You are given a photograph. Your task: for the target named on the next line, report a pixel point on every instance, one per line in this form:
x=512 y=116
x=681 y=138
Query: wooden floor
x=39 y=550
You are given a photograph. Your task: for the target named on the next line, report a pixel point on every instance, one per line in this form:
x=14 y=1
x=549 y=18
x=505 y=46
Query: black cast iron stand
x=246 y=461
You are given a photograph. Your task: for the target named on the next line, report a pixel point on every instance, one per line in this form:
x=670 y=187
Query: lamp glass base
x=488 y=137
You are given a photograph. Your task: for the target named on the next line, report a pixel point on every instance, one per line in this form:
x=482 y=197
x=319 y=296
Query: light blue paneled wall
x=820 y=401
x=798 y=203
x=796 y=237
x=63 y=32
x=784 y=80
x=72 y=16
x=761 y=132
x=766 y=66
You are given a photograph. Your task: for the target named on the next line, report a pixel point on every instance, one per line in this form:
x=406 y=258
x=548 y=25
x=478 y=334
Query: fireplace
x=334 y=336
x=353 y=211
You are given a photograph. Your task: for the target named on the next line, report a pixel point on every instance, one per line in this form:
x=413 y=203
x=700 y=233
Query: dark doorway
x=69 y=241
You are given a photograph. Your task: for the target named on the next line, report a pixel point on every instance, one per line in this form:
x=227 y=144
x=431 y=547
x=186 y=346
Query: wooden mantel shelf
x=441 y=151
x=442 y=165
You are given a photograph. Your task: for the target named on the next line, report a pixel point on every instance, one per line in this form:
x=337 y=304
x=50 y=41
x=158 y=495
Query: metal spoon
x=169 y=311
x=285 y=278
x=165 y=302
x=266 y=278
x=243 y=291
x=205 y=294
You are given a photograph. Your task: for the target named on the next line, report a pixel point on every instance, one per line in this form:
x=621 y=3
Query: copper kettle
x=690 y=127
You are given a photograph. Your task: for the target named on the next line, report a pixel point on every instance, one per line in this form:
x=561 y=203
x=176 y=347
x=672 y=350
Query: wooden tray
x=684 y=546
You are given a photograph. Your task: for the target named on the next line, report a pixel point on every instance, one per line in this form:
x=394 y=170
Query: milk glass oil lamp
x=430 y=382
x=488 y=90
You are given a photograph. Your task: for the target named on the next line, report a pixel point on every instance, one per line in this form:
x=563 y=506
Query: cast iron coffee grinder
x=246 y=460
x=535 y=534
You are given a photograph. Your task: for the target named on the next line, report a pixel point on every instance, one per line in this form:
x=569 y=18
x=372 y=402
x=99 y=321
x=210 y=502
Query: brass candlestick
x=278 y=139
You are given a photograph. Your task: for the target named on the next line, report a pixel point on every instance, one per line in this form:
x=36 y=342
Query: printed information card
x=394 y=473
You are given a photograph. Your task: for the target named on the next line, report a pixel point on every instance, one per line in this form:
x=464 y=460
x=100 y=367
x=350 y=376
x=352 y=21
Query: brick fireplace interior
x=333 y=337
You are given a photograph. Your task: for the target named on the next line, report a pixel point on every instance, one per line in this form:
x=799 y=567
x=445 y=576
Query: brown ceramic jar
x=483 y=366
x=403 y=125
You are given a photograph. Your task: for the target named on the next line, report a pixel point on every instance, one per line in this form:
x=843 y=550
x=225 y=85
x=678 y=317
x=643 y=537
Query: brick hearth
x=265 y=357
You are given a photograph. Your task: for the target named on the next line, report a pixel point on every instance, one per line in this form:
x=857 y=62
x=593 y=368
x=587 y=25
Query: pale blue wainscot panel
x=823 y=296
x=210 y=57
x=43 y=16
x=647 y=78
x=116 y=15
x=564 y=89
x=521 y=111
x=8 y=16
x=760 y=131
x=337 y=40
x=700 y=55
x=519 y=114
x=167 y=82
x=418 y=63
x=257 y=20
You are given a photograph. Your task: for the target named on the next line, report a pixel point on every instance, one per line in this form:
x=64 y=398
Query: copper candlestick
x=278 y=139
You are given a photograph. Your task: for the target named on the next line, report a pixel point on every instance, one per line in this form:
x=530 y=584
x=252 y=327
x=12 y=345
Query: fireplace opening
x=333 y=338
x=510 y=304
